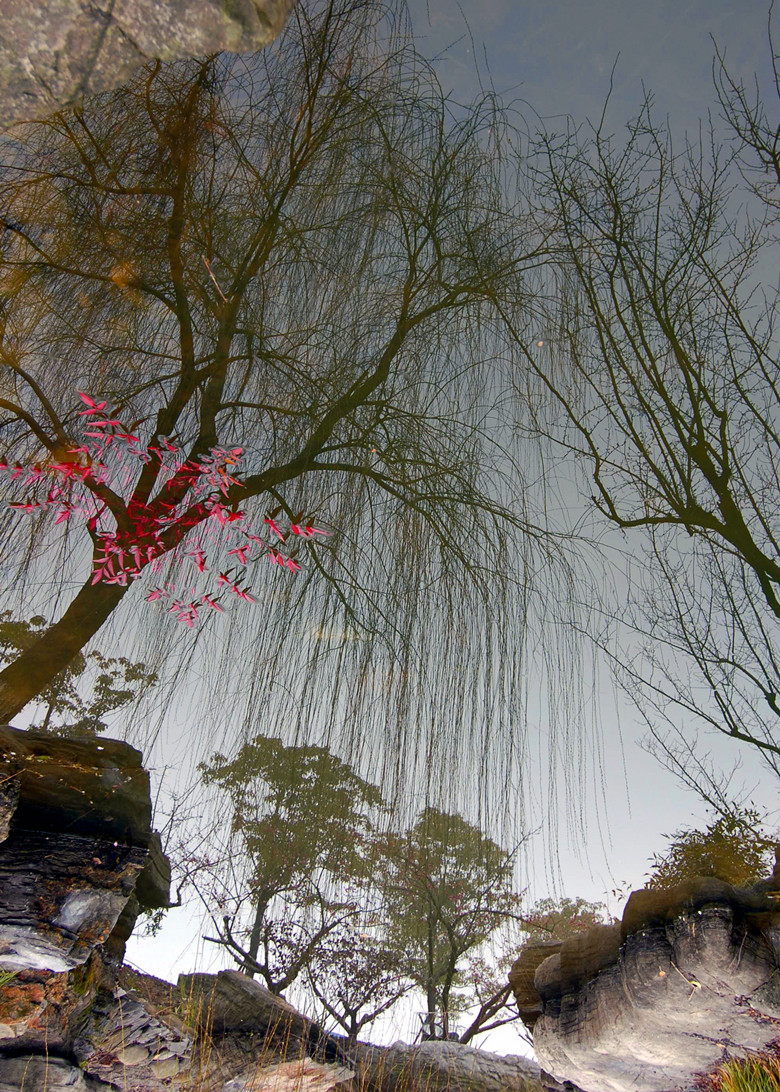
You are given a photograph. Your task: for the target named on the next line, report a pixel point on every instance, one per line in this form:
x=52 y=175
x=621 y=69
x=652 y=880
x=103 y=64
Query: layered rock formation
x=54 y=51
x=77 y=862
x=445 y=1067
x=689 y=977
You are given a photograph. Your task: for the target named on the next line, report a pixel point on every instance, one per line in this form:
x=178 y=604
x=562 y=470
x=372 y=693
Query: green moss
x=82 y=978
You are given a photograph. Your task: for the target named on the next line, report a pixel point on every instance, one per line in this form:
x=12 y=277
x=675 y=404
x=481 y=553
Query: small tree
x=448 y=888
x=357 y=975
x=301 y=819
x=64 y=711
x=731 y=848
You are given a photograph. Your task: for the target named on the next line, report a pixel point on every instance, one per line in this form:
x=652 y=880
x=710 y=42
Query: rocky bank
x=54 y=51
x=688 y=978
x=78 y=862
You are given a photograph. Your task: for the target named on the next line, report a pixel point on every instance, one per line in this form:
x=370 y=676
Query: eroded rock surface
x=690 y=977
x=446 y=1067
x=75 y=816
x=54 y=51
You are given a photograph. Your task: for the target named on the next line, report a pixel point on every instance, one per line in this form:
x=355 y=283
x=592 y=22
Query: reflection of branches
x=359 y=239
x=669 y=396
x=293 y=968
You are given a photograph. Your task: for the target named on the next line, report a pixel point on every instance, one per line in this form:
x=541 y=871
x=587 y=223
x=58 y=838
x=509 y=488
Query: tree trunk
x=248 y=967
x=34 y=668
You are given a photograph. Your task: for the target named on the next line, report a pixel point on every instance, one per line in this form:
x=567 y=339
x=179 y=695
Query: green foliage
x=301 y=827
x=559 y=919
x=6 y=977
x=732 y=848
x=448 y=888
x=756 y=1073
x=66 y=713
x=297 y=810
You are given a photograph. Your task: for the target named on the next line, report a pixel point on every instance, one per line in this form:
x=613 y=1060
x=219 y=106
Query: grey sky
x=558 y=58
x=558 y=55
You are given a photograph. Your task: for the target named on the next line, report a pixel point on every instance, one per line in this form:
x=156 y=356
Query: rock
x=690 y=975
x=88 y=788
x=37 y=1072
x=54 y=51
x=521 y=979
x=304 y=1075
x=131 y=1039
x=76 y=817
x=454 y=1067
x=231 y=1002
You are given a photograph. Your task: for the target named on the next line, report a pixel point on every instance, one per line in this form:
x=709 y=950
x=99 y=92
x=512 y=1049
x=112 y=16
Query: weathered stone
x=445 y=1067
x=696 y=977
x=84 y=787
x=54 y=51
x=232 y=1003
x=77 y=840
x=37 y=1072
x=304 y=1075
x=521 y=978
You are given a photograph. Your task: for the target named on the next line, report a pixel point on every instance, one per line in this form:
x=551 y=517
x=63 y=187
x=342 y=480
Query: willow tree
x=661 y=366
x=295 y=253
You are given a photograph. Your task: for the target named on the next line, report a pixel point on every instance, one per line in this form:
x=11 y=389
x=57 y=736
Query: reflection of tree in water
x=296 y=254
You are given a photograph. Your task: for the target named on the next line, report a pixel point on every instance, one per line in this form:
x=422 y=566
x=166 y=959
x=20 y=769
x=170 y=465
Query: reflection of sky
x=558 y=57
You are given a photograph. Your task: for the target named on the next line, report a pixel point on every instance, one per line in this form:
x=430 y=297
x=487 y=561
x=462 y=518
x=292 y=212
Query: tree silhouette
x=300 y=821
x=447 y=889
x=660 y=366
x=356 y=975
x=296 y=254
x=65 y=712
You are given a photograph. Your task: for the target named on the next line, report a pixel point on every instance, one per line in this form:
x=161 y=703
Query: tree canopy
x=301 y=821
x=295 y=254
x=447 y=888
x=731 y=848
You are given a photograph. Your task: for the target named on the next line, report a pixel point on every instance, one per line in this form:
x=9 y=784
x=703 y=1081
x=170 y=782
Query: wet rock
x=690 y=976
x=34 y=1072
x=232 y=1003
x=54 y=51
x=89 y=788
